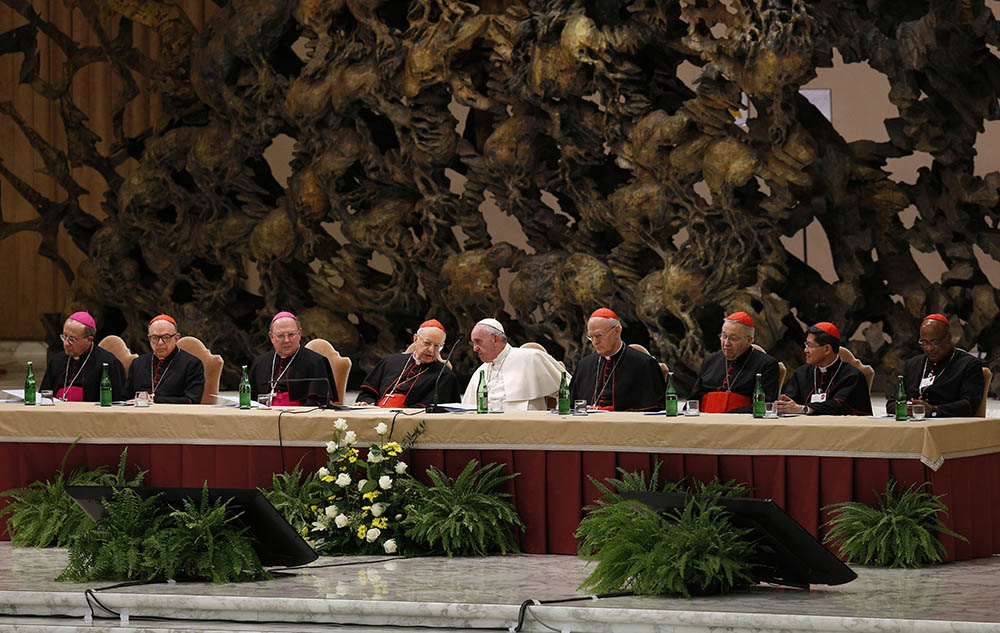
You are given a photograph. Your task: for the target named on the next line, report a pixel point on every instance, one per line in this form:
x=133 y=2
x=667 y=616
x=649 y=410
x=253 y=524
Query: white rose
x=332 y=511
x=341 y=520
x=400 y=468
x=372 y=534
x=389 y=546
x=361 y=484
x=385 y=482
x=378 y=509
x=350 y=437
x=374 y=458
x=343 y=480
x=331 y=447
x=381 y=428
x=340 y=424
x=322 y=472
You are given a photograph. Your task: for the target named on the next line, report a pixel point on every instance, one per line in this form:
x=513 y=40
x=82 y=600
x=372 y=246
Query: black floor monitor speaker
x=274 y=540
x=786 y=553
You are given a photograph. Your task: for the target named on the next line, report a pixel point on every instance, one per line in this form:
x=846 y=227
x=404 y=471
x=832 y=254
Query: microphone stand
x=434 y=408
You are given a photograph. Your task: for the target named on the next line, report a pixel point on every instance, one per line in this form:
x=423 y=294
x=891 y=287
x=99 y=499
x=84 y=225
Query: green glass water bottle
x=482 y=394
x=563 y=395
x=105 y=386
x=29 y=386
x=670 y=403
x=900 y=400
x=244 y=390
x=758 y=399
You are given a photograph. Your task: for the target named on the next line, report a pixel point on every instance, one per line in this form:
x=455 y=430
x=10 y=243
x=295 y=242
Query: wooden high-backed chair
x=211 y=362
x=987 y=378
x=341 y=365
x=640 y=348
x=848 y=357
x=782 y=370
x=117 y=346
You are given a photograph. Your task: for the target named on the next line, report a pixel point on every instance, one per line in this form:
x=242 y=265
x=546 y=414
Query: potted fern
x=42 y=515
x=901 y=531
x=466 y=515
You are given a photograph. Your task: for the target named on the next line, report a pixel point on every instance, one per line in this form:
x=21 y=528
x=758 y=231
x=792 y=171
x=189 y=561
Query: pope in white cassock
x=518 y=378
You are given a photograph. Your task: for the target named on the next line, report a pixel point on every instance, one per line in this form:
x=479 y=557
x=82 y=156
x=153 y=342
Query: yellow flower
x=362 y=530
x=328 y=478
x=380 y=522
x=331 y=498
x=313 y=508
x=371 y=496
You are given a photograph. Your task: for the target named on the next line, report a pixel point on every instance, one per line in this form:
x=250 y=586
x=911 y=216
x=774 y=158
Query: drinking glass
x=917 y=411
x=692 y=408
x=46 y=398
x=769 y=410
x=264 y=400
x=142 y=398
x=580 y=407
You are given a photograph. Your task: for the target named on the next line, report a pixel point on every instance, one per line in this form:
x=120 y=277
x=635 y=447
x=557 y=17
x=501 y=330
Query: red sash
x=605 y=408
x=393 y=401
x=281 y=399
x=70 y=394
x=723 y=402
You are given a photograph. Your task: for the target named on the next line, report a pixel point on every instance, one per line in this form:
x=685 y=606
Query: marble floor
x=437 y=593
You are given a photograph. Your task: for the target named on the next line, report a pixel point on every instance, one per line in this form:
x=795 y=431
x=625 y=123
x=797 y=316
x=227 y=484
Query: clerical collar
x=292 y=355
x=168 y=358
x=827 y=367
x=89 y=350
x=621 y=346
x=502 y=356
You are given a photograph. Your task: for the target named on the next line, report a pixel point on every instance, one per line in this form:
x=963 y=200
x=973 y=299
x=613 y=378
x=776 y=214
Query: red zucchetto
x=741 y=317
x=829 y=328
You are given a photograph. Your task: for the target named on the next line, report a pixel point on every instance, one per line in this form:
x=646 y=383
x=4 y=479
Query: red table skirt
x=553 y=486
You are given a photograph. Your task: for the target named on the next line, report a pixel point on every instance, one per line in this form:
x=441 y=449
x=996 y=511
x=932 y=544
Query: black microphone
x=329 y=400
x=434 y=408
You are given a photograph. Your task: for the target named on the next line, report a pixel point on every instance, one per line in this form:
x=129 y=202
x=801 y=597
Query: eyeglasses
x=154 y=339
x=812 y=345
x=72 y=340
x=600 y=335
x=735 y=339
x=935 y=343
x=285 y=337
x=427 y=343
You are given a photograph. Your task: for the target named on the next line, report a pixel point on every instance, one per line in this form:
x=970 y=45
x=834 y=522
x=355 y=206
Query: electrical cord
x=527 y=603
x=281 y=444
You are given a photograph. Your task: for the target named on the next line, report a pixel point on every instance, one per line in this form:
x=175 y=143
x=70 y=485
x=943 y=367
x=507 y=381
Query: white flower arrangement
x=363 y=501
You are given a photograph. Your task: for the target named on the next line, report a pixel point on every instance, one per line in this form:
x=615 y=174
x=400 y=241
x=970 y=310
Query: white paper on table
x=17 y=393
x=232 y=400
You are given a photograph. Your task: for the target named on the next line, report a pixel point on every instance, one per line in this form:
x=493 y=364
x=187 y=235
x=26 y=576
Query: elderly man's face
x=734 y=340
x=75 y=343
x=605 y=337
x=486 y=343
x=285 y=335
x=429 y=342
x=162 y=336
x=935 y=340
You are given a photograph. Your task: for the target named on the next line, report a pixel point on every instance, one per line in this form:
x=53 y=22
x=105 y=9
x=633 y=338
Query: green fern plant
x=145 y=539
x=113 y=548
x=202 y=541
x=695 y=551
x=292 y=494
x=902 y=531
x=464 y=516
x=42 y=514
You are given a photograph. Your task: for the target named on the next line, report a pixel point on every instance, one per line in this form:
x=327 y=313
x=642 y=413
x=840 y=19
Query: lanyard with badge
x=817 y=396
x=927 y=379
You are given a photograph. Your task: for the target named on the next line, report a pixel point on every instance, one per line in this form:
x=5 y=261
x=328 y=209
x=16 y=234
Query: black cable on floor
x=527 y=603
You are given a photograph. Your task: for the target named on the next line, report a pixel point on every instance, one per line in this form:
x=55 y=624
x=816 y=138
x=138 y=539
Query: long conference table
x=802 y=463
